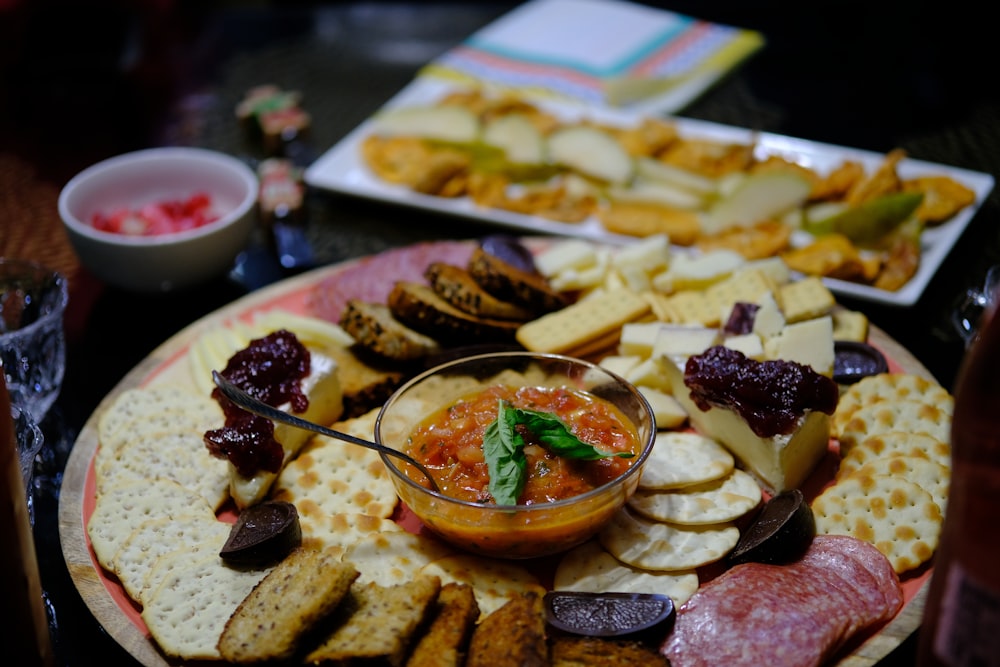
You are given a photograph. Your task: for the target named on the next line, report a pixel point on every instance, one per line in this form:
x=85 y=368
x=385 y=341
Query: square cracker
x=805 y=299
x=581 y=322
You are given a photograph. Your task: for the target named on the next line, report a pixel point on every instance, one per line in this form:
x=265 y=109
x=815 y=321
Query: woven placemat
x=30 y=218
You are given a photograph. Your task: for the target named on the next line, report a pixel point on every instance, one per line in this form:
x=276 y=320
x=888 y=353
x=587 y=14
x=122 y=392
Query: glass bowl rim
x=635 y=468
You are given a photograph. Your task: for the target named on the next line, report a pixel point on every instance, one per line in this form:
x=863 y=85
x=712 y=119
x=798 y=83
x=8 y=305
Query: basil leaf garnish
x=503 y=448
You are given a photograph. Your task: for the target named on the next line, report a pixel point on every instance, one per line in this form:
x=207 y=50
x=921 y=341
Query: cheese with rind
x=779 y=462
x=322 y=387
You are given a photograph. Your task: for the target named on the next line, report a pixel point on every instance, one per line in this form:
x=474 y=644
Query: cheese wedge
x=780 y=462
x=322 y=388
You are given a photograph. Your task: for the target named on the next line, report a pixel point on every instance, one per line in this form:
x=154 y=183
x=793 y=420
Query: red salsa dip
x=450 y=444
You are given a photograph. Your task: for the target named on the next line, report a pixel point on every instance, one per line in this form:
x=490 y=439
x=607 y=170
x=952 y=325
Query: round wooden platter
x=112 y=609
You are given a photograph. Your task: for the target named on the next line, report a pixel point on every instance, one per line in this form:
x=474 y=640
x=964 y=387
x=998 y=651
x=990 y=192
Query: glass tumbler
x=33 y=302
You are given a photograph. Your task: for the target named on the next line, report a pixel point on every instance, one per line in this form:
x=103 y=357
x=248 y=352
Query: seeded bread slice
x=378 y=332
x=509 y=283
x=457 y=286
x=421 y=308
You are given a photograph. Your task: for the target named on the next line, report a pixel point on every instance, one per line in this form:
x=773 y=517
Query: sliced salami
x=780 y=615
x=372 y=278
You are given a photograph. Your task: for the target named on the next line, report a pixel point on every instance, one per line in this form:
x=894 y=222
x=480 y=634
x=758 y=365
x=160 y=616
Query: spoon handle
x=258 y=407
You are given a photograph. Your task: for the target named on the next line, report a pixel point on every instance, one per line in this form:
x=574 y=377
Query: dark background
x=81 y=81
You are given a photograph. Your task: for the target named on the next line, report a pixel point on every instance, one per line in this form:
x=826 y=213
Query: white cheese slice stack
x=322 y=387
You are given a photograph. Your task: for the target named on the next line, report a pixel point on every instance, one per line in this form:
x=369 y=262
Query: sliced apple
x=592 y=152
x=443 y=123
x=759 y=196
x=517 y=137
x=656 y=170
x=656 y=192
x=870 y=221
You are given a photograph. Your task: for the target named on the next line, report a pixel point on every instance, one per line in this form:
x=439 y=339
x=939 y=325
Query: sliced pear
x=656 y=170
x=443 y=123
x=870 y=221
x=517 y=137
x=759 y=196
x=592 y=152
x=654 y=192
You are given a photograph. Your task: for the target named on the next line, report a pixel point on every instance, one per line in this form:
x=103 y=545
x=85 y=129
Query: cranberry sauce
x=270 y=369
x=769 y=395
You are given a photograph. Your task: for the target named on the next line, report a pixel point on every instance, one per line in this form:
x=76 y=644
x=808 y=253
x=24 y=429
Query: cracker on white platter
x=684 y=458
x=590 y=568
x=718 y=501
x=655 y=545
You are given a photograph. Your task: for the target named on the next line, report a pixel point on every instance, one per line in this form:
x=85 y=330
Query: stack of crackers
x=891 y=489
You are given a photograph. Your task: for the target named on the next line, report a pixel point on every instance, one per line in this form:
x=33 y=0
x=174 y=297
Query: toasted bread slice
x=378 y=623
x=265 y=627
x=457 y=286
x=513 y=635
x=447 y=637
x=572 y=651
x=366 y=381
x=421 y=308
x=377 y=331
x=509 y=283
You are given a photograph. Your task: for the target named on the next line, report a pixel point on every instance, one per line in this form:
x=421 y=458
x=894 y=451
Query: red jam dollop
x=158 y=218
x=770 y=395
x=270 y=369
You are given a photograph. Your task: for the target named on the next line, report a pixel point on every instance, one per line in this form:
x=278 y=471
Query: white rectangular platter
x=341 y=170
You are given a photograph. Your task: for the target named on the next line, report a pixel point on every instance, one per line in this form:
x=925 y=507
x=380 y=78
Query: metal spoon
x=258 y=407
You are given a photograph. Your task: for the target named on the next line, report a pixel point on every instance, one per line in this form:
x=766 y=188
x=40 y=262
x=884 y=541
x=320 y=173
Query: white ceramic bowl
x=161 y=262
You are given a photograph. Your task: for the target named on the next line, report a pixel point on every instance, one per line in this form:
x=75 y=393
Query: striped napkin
x=599 y=52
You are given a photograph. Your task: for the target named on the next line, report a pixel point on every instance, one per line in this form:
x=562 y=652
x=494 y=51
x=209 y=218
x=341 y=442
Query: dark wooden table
x=83 y=81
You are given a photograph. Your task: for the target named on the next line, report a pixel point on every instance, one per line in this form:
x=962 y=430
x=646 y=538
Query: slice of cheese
x=809 y=342
x=322 y=388
x=749 y=344
x=667 y=410
x=780 y=462
x=684 y=340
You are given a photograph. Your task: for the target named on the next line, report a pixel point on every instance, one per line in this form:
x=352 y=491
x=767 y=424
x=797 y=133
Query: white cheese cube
x=749 y=344
x=620 y=364
x=700 y=271
x=637 y=338
x=809 y=342
x=684 y=340
x=667 y=410
x=648 y=373
x=768 y=321
x=569 y=254
x=650 y=254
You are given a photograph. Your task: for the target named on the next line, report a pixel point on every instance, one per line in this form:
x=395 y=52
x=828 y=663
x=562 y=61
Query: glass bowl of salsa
x=532 y=453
